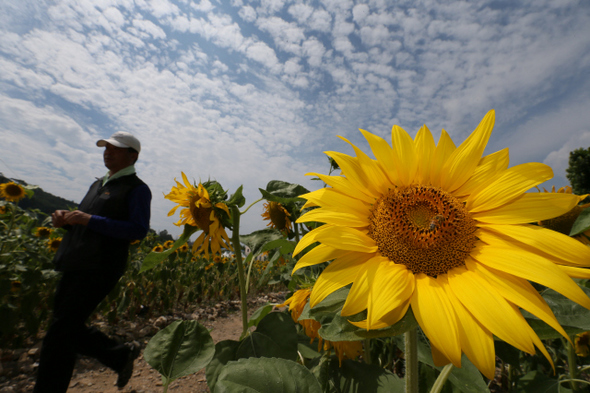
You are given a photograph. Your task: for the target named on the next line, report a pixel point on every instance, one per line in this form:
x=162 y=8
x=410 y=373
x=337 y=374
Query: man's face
x=117 y=158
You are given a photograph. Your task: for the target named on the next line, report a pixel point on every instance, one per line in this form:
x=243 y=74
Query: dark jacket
x=85 y=249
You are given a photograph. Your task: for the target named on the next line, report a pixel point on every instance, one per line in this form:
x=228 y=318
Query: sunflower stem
x=442 y=378
x=411 y=349
x=368 y=351
x=572 y=360
x=238 y=253
x=252 y=204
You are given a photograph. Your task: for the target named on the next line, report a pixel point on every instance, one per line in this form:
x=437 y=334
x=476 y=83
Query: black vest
x=84 y=249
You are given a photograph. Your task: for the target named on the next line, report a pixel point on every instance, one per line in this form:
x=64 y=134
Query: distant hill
x=44 y=201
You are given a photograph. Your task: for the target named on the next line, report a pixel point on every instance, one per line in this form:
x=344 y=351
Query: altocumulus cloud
x=246 y=92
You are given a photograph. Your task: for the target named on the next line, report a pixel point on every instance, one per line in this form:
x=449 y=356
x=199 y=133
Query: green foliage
x=578 y=171
x=265 y=375
x=182 y=348
x=27 y=279
x=582 y=223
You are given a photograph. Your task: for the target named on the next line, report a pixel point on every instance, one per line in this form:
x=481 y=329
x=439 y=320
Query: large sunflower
x=12 y=192
x=443 y=231
x=200 y=211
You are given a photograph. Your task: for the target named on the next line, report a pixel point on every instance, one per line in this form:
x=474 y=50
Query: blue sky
x=248 y=92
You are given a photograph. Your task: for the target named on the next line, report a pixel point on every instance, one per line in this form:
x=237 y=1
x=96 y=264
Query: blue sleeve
x=138 y=225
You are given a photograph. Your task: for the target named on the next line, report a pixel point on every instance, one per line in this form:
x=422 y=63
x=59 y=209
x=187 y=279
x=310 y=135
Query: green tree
x=578 y=172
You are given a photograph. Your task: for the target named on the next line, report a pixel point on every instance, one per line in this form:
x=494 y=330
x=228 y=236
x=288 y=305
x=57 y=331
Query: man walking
x=92 y=258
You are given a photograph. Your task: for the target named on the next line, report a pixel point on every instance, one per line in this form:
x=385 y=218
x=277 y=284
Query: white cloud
x=248 y=13
x=210 y=94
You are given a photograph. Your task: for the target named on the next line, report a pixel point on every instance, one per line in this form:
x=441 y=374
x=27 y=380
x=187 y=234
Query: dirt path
x=147 y=380
x=18 y=367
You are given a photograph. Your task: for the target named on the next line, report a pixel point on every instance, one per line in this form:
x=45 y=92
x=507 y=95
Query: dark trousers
x=76 y=297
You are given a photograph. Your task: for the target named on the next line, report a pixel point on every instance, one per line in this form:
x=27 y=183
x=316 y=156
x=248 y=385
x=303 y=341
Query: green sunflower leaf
x=256 y=240
x=237 y=198
x=182 y=348
x=225 y=351
x=264 y=375
x=275 y=336
x=361 y=377
x=283 y=192
x=582 y=223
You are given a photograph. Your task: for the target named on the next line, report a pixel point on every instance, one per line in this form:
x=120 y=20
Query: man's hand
x=77 y=217
x=58 y=218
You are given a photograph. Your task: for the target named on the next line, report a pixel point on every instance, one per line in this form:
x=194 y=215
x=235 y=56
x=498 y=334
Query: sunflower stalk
x=572 y=365
x=411 y=355
x=238 y=253
x=442 y=378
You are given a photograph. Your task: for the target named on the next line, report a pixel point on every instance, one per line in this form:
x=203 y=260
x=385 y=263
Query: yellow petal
x=345 y=238
x=424 y=149
x=358 y=296
x=376 y=178
x=509 y=185
x=319 y=254
x=392 y=289
x=404 y=155
x=384 y=155
x=532 y=267
x=338 y=274
x=310 y=238
x=530 y=207
x=354 y=171
x=518 y=291
x=185 y=179
x=345 y=186
x=487 y=306
x=487 y=169
x=364 y=325
x=460 y=165
x=435 y=315
x=441 y=154
x=334 y=217
x=561 y=247
x=575 y=272
x=476 y=341
x=330 y=197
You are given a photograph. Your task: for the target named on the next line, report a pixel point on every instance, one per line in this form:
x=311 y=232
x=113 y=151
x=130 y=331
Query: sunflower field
x=426 y=267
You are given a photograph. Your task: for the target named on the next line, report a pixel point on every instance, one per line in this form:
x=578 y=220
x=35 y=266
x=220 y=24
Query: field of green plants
x=303 y=349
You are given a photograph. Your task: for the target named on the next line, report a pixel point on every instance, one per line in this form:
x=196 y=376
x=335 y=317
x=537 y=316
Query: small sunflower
x=565 y=222
x=15 y=286
x=43 y=232
x=343 y=349
x=12 y=192
x=582 y=343
x=135 y=242
x=158 y=248
x=277 y=215
x=445 y=232
x=53 y=244
x=168 y=244
x=183 y=248
x=200 y=211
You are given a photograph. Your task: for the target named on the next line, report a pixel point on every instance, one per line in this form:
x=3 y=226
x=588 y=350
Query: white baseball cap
x=121 y=139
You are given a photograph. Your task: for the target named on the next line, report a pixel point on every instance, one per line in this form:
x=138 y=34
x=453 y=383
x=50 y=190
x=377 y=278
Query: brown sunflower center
x=565 y=222
x=278 y=215
x=424 y=228
x=13 y=190
x=200 y=214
